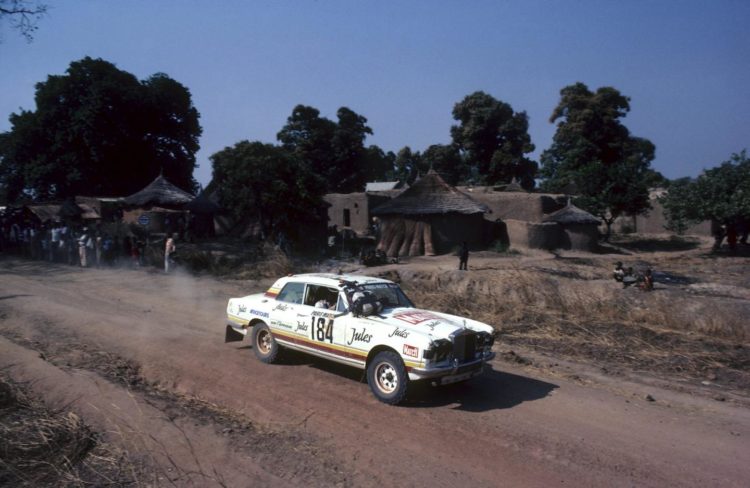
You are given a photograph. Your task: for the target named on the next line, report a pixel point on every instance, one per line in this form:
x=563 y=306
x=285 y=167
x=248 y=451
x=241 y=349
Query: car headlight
x=438 y=350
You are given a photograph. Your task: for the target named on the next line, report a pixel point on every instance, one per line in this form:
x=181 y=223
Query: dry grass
x=241 y=262
x=43 y=447
x=581 y=313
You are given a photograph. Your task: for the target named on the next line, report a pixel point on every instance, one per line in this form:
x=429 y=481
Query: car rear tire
x=387 y=377
x=265 y=346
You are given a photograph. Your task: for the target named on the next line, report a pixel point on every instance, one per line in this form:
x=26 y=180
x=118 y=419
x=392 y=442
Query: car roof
x=333 y=280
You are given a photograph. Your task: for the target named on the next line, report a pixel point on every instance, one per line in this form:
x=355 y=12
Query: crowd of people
x=81 y=245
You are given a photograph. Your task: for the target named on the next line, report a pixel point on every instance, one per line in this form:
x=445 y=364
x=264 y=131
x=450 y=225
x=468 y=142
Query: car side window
x=341 y=306
x=291 y=293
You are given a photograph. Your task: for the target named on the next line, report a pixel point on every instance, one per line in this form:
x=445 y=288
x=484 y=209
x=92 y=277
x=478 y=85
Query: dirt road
x=141 y=356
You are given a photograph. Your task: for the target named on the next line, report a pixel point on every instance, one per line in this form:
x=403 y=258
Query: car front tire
x=387 y=377
x=265 y=346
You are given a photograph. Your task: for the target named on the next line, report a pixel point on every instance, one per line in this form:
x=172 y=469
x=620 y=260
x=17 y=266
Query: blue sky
x=404 y=64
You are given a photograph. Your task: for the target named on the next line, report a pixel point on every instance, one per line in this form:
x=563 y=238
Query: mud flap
x=232 y=335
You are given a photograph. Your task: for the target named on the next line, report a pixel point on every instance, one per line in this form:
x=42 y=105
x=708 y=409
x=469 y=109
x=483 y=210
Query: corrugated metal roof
x=431 y=195
x=381 y=185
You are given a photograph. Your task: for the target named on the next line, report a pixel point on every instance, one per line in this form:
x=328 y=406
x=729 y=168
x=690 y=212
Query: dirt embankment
x=141 y=358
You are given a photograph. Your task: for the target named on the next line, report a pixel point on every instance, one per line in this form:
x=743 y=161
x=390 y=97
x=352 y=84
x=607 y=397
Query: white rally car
x=364 y=322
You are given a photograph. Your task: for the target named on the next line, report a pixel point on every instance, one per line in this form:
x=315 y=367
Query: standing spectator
x=54 y=242
x=98 y=249
x=84 y=242
x=463 y=256
x=169 y=248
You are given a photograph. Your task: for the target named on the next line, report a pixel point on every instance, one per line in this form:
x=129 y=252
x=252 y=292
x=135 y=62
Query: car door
x=288 y=304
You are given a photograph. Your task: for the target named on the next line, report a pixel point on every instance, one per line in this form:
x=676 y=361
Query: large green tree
x=595 y=153
x=408 y=165
x=267 y=181
x=720 y=194
x=495 y=139
x=447 y=161
x=98 y=130
x=333 y=150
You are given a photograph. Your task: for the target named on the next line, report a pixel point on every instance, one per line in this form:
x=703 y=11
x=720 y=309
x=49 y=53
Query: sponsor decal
x=282 y=307
x=411 y=351
x=241 y=308
x=399 y=333
x=259 y=313
x=302 y=327
x=432 y=324
x=277 y=323
x=416 y=317
x=359 y=336
x=318 y=313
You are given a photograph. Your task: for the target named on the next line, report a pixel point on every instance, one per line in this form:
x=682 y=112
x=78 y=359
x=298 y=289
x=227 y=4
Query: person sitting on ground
x=629 y=278
x=647 y=283
x=619 y=272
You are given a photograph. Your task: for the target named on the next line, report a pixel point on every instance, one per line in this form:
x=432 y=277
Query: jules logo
x=411 y=351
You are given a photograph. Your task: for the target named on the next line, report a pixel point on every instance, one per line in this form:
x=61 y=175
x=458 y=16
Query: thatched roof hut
x=429 y=218
x=161 y=193
x=580 y=229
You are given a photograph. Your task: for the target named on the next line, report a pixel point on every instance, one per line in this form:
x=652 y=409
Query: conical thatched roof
x=159 y=192
x=570 y=214
x=203 y=204
x=431 y=195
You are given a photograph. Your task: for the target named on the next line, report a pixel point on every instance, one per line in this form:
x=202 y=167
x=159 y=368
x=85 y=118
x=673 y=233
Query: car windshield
x=389 y=294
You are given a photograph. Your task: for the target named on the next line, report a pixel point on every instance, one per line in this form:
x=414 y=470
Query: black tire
x=265 y=346
x=387 y=377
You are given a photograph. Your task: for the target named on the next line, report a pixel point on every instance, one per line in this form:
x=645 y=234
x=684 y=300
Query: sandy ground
x=140 y=355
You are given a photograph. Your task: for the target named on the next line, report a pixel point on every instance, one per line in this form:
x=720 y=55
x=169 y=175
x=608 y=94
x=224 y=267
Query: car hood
x=415 y=320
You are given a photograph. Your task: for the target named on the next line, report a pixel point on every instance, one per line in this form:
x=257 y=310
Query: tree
x=447 y=161
x=267 y=181
x=495 y=139
x=378 y=164
x=98 y=130
x=348 y=172
x=593 y=151
x=336 y=151
x=720 y=194
x=23 y=15
x=408 y=165
x=309 y=137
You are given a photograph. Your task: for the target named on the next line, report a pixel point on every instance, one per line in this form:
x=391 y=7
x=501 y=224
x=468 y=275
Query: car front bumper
x=444 y=375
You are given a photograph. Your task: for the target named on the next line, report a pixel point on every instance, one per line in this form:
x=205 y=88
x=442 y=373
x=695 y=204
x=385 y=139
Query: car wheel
x=387 y=377
x=265 y=346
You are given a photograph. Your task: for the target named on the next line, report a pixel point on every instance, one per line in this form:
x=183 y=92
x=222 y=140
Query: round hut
x=203 y=210
x=431 y=217
x=158 y=206
x=579 y=230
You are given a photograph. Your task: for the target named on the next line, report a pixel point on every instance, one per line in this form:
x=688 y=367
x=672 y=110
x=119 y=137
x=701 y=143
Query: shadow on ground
x=660 y=245
x=494 y=390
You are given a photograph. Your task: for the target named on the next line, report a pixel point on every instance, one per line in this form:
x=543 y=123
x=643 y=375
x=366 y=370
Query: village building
x=351 y=211
x=654 y=221
x=158 y=207
x=431 y=217
x=576 y=229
